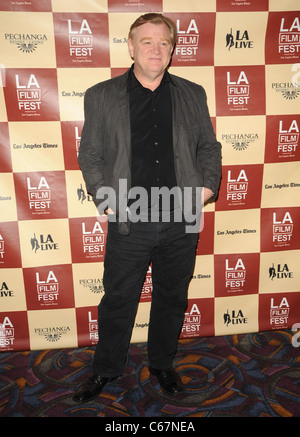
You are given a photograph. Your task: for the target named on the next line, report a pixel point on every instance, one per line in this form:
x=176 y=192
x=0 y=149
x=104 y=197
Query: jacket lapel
x=123 y=121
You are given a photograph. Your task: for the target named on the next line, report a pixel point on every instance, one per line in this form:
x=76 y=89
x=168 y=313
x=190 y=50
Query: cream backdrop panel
x=279 y=272
x=119 y=25
x=12 y=290
x=88 y=284
x=202 y=283
x=72 y=84
x=234 y=315
x=237 y=231
x=281 y=185
x=282 y=89
x=247 y=33
x=27 y=141
x=8 y=207
x=80 y=203
x=44 y=242
x=242 y=139
x=14 y=29
x=50 y=329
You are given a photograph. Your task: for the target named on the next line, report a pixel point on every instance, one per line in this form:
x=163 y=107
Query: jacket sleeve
x=208 y=150
x=90 y=157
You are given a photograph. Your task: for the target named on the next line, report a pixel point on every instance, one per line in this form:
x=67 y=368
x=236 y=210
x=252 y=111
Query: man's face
x=151 y=48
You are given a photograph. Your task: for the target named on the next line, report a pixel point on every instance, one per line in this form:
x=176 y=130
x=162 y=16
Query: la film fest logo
x=288 y=138
x=187 y=39
x=237 y=186
x=93 y=238
x=192 y=321
x=29 y=94
x=1 y=248
x=238 y=90
x=279 y=312
x=235 y=275
x=7 y=333
x=26 y=42
x=282 y=228
x=80 y=39
x=289 y=37
x=39 y=196
x=93 y=328
x=238 y=39
x=47 y=287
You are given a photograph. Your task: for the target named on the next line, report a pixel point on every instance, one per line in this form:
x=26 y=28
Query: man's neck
x=150 y=81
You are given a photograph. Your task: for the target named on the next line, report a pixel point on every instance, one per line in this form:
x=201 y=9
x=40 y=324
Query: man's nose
x=156 y=48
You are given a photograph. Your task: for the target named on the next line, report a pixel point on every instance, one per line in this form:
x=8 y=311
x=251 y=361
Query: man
x=152 y=130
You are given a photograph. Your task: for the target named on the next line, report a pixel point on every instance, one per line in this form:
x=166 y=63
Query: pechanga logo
x=26 y=42
x=238 y=40
x=280 y=272
x=53 y=333
x=240 y=141
x=234 y=318
x=95 y=285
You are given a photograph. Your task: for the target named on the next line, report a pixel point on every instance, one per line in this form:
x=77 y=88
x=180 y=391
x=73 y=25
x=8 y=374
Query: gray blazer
x=105 y=148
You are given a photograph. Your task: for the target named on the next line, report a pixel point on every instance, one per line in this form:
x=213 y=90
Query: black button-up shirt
x=152 y=159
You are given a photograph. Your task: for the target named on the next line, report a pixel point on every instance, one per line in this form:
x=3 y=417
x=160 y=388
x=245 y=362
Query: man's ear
x=130 y=48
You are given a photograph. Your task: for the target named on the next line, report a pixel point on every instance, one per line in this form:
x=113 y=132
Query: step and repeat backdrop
x=246 y=54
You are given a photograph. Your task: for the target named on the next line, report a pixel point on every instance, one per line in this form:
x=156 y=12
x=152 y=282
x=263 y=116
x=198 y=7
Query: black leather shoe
x=91 y=388
x=168 y=379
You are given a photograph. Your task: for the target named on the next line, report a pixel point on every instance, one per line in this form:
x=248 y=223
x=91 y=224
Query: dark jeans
x=172 y=253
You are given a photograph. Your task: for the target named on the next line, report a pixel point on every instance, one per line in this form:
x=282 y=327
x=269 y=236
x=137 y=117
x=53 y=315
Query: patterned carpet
x=247 y=375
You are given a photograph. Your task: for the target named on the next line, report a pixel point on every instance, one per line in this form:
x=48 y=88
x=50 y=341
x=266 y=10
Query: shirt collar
x=134 y=83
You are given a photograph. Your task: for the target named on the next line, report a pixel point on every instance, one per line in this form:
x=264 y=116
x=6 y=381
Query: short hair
x=155 y=18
